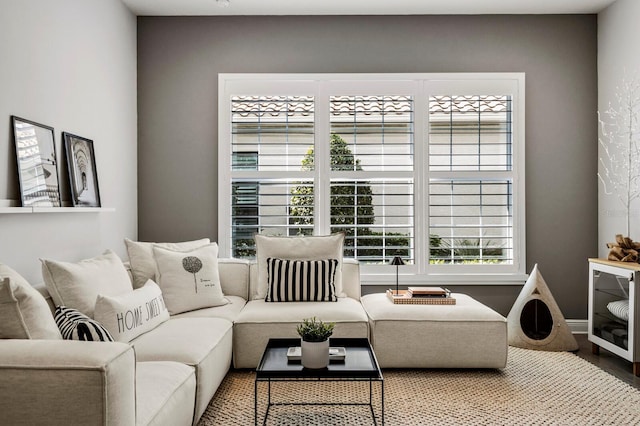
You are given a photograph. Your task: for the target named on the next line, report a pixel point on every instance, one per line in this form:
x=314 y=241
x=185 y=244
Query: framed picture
x=37 y=163
x=83 y=177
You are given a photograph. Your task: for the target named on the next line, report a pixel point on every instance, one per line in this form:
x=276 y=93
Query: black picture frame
x=37 y=163
x=83 y=175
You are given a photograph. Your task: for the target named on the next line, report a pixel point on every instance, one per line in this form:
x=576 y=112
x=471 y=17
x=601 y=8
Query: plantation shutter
x=372 y=165
x=471 y=181
x=270 y=138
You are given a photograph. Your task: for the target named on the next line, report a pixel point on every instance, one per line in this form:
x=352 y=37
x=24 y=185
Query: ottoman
x=465 y=335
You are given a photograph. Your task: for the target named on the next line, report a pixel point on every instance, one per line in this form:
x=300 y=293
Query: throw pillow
x=143 y=265
x=297 y=248
x=129 y=315
x=620 y=309
x=77 y=285
x=301 y=280
x=24 y=313
x=189 y=280
x=75 y=325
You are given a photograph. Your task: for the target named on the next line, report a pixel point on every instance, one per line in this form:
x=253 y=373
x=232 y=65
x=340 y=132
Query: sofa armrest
x=351 y=278
x=234 y=277
x=62 y=382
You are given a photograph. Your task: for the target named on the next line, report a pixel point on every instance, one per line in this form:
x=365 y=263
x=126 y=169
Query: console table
x=609 y=282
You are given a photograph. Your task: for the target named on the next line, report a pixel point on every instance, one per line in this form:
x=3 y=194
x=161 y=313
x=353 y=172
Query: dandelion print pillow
x=189 y=279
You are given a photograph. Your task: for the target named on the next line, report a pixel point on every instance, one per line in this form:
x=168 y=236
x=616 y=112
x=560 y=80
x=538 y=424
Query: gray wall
x=70 y=64
x=179 y=59
x=618 y=59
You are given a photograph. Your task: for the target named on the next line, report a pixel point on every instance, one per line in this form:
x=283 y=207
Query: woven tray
x=403 y=299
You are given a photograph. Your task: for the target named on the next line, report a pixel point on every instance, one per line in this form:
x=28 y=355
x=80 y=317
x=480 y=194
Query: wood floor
x=609 y=362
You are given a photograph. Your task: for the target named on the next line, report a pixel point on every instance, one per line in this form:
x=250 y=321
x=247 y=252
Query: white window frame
x=421 y=86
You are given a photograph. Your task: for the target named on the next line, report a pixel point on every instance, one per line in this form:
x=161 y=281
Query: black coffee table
x=360 y=364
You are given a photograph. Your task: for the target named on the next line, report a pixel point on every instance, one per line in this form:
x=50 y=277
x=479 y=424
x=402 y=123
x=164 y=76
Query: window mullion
x=421 y=178
x=224 y=170
x=322 y=177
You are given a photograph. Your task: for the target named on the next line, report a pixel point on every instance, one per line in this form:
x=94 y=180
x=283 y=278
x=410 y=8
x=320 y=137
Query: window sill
x=445 y=279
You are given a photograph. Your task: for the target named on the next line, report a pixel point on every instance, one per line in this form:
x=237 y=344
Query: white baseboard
x=578 y=326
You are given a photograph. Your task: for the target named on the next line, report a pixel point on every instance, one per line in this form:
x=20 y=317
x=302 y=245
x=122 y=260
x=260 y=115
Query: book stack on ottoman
x=422 y=296
x=466 y=334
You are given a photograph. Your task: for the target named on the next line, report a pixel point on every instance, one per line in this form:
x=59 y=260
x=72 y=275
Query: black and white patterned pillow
x=74 y=325
x=301 y=280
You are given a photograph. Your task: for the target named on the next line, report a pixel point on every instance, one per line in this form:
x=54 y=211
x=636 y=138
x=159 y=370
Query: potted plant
x=315 y=342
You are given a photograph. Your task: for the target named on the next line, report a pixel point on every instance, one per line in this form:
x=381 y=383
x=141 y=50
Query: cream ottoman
x=465 y=335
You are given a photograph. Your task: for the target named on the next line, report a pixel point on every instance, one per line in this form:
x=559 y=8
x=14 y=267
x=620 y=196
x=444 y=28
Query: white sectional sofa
x=168 y=375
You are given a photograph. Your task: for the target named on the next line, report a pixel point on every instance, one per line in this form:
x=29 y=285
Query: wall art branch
x=619 y=162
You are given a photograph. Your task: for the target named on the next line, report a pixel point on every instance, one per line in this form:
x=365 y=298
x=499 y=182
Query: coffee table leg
x=373 y=413
x=382 y=400
x=266 y=413
x=255 y=403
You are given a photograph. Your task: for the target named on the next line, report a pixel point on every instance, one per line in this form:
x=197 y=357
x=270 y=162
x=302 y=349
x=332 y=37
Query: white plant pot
x=315 y=354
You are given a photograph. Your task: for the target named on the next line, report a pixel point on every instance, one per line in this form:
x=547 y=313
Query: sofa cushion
x=24 y=313
x=129 y=315
x=465 y=335
x=143 y=264
x=301 y=280
x=230 y=311
x=297 y=248
x=261 y=320
x=77 y=285
x=75 y=325
x=260 y=311
x=379 y=308
x=203 y=343
x=165 y=393
x=190 y=279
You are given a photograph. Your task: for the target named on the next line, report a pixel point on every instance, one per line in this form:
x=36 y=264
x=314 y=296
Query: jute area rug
x=536 y=388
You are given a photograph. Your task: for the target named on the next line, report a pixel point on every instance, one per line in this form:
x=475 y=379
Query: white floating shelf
x=13 y=210
x=8 y=207
x=70 y=209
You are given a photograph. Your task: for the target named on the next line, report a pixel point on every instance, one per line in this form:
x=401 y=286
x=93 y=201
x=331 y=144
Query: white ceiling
x=363 y=7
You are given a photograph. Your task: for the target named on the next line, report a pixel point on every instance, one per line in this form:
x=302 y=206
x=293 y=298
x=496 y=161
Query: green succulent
x=315 y=330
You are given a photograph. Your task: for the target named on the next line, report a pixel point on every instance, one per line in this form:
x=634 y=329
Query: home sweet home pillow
x=189 y=279
x=297 y=248
x=129 y=315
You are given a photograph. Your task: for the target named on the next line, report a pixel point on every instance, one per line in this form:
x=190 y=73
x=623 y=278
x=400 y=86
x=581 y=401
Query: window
x=370 y=149
x=470 y=215
x=429 y=167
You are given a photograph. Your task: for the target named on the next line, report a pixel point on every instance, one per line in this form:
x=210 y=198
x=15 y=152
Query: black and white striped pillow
x=620 y=308
x=301 y=280
x=74 y=325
